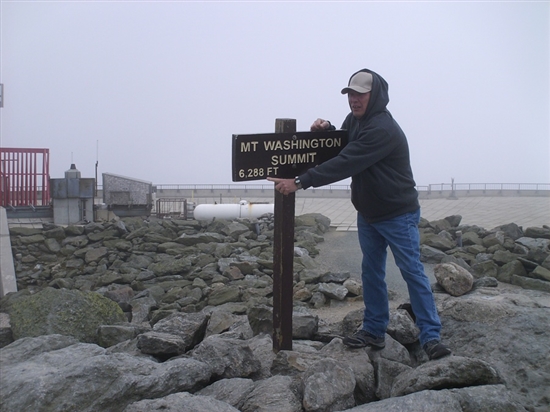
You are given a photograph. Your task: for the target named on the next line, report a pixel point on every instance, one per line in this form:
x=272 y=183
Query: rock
x=496 y=238
x=527 y=264
x=310 y=276
x=6 y=336
x=354 y=287
x=386 y=372
x=120 y=294
x=430 y=254
x=81 y=377
x=313 y=220
x=190 y=327
x=52 y=245
x=538 y=232
x=497 y=323
x=318 y=300
x=110 y=335
x=191 y=240
x=181 y=401
x=32 y=239
x=441 y=224
x=328 y=386
x=261 y=319
x=454 y=220
x=538 y=255
x=335 y=277
x=103 y=234
x=275 y=394
x=141 y=308
x=235 y=229
x=262 y=347
x=301 y=292
x=222 y=321
x=477 y=398
x=393 y=351
x=541 y=273
x=471 y=238
x=507 y=322
x=402 y=327
x=486 y=268
x=304 y=325
x=232 y=391
x=451 y=371
x=486 y=282
x=161 y=345
x=528 y=283
x=359 y=362
x=219 y=296
x=479 y=308
x=333 y=290
x=501 y=257
x=67 y=312
x=510 y=269
x=511 y=230
x=24 y=231
x=79 y=241
x=171 y=267
x=453 y=278
x=476 y=249
x=167 y=247
x=458 y=260
x=534 y=243
x=73 y=230
x=438 y=241
x=227 y=357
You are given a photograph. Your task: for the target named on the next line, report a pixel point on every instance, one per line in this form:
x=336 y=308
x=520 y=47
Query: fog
x=155 y=90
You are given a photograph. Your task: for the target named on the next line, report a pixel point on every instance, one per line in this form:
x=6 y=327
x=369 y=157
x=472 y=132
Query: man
x=383 y=192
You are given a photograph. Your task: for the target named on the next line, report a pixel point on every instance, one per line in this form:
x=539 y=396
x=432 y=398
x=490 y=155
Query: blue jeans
x=401 y=235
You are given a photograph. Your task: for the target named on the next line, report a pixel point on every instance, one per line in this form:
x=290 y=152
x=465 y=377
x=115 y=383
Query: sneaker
x=436 y=350
x=362 y=338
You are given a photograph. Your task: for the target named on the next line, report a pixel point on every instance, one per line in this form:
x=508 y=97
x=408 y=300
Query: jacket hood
x=379 y=97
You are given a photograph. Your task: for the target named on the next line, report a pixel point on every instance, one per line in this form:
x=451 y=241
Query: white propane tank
x=232 y=211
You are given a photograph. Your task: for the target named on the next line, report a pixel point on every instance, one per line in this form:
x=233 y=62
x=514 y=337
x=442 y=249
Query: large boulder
x=66 y=312
x=453 y=278
x=82 y=377
x=450 y=372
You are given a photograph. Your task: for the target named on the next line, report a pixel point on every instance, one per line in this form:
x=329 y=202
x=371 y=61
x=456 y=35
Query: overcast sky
x=155 y=90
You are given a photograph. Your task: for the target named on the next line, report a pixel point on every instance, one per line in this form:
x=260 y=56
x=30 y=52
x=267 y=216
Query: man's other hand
x=284 y=186
x=319 y=125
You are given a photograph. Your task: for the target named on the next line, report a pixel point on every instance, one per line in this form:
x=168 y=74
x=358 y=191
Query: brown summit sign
x=284 y=155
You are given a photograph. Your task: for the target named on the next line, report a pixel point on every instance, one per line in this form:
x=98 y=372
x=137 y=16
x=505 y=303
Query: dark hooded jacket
x=377 y=160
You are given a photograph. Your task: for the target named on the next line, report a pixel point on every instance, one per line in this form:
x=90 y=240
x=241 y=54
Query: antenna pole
x=96 y=164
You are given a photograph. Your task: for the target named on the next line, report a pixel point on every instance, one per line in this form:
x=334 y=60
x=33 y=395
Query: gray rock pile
x=168 y=315
x=156 y=267
x=506 y=253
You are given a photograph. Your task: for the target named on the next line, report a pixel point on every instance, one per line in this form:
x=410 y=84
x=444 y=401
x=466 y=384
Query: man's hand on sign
x=284 y=186
x=319 y=125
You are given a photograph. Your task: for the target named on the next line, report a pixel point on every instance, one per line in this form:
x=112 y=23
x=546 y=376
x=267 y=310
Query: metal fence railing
x=434 y=187
x=468 y=187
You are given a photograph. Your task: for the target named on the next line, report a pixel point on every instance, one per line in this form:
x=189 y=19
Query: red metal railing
x=24 y=177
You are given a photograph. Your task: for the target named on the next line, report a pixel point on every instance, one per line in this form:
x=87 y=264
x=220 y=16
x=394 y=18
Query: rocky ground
x=143 y=316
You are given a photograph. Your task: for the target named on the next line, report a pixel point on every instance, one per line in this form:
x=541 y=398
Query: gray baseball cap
x=360 y=82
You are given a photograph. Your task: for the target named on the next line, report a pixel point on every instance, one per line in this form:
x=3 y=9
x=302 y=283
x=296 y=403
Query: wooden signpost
x=284 y=154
